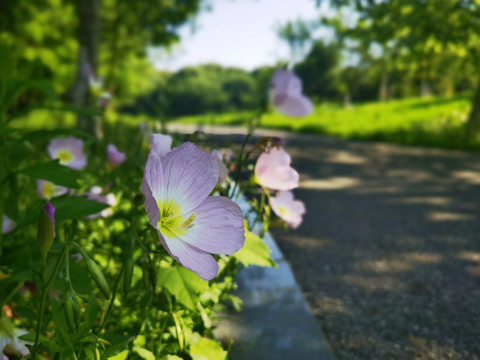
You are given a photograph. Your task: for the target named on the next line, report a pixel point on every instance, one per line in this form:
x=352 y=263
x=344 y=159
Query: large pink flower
x=286 y=94
x=273 y=170
x=69 y=151
x=115 y=157
x=190 y=223
x=162 y=144
x=287 y=208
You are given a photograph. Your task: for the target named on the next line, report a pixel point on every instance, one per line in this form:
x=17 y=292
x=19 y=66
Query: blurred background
x=403 y=71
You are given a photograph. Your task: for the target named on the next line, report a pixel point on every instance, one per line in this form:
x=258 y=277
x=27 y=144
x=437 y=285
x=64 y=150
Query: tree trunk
x=346 y=99
x=425 y=87
x=383 y=89
x=89 y=38
x=473 y=123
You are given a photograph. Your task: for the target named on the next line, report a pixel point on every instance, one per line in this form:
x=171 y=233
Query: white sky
x=240 y=33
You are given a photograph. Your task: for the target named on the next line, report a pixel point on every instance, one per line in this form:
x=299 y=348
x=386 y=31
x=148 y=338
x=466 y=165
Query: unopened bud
x=46 y=230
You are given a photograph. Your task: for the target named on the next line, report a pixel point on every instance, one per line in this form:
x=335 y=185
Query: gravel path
x=388 y=256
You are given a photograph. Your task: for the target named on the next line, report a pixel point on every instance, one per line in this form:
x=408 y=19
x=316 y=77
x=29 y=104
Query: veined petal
x=218 y=226
x=152 y=178
x=193 y=259
x=190 y=175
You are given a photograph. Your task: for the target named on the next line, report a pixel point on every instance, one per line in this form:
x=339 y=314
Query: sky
x=237 y=33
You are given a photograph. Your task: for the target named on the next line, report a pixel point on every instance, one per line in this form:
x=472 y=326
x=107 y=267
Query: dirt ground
x=388 y=256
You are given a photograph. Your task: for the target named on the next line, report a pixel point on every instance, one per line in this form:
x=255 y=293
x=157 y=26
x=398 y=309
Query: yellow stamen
x=48 y=190
x=171 y=222
x=65 y=156
x=283 y=210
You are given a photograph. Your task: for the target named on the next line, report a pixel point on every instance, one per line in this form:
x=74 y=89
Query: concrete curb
x=276 y=322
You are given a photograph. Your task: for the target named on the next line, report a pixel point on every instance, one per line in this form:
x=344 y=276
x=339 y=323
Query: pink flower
x=115 y=157
x=288 y=209
x=190 y=223
x=222 y=168
x=7 y=225
x=47 y=189
x=69 y=151
x=161 y=144
x=109 y=199
x=273 y=170
x=286 y=94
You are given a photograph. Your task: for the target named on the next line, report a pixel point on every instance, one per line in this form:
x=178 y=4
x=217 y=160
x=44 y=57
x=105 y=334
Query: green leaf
x=184 y=284
x=172 y=357
x=254 y=251
x=206 y=349
x=120 y=356
x=54 y=172
x=7 y=65
x=71 y=207
x=144 y=353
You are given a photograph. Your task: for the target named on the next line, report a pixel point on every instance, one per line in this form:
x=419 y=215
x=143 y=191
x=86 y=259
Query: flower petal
x=193 y=259
x=162 y=144
x=190 y=175
x=297 y=106
x=152 y=186
x=218 y=226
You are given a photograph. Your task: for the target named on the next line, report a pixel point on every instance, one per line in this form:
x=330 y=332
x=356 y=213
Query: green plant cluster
x=105 y=288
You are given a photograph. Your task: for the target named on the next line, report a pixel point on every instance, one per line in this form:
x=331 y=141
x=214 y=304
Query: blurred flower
x=161 y=144
x=115 y=157
x=13 y=347
x=108 y=199
x=69 y=151
x=190 y=223
x=47 y=189
x=7 y=224
x=105 y=98
x=287 y=208
x=222 y=168
x=286 y=94
x=273 y=170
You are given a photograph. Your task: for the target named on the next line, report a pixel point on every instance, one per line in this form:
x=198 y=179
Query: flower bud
x=72 y=310
x=46 y=230
x=97 y=276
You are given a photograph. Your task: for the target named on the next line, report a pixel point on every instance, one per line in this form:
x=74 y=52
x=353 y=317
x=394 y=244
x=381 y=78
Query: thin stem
x=112 y=300
x=44 y=296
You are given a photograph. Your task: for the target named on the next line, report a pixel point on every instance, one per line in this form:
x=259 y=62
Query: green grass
x=435 y=121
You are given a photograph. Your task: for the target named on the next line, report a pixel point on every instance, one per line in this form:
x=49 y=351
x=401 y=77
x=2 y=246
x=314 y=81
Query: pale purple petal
x=273 y=170
x=162 y=144
x=218 y=226
x=222 y=168
x=74 y=147
x=285 y=81
x=193 y=259
x=115 y=157
x=7 y=224
x=297 y=106
x=190 y=175
x=287 y=208
x=286 y=94
x=152 y=177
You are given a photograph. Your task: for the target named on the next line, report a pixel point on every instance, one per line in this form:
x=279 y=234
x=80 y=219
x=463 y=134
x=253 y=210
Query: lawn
x=433 y=121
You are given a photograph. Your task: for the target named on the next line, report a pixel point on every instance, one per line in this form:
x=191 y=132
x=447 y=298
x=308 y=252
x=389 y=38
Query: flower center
x=283 y=210
x=65 y=156
x=171 y=223
x=48 y=190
